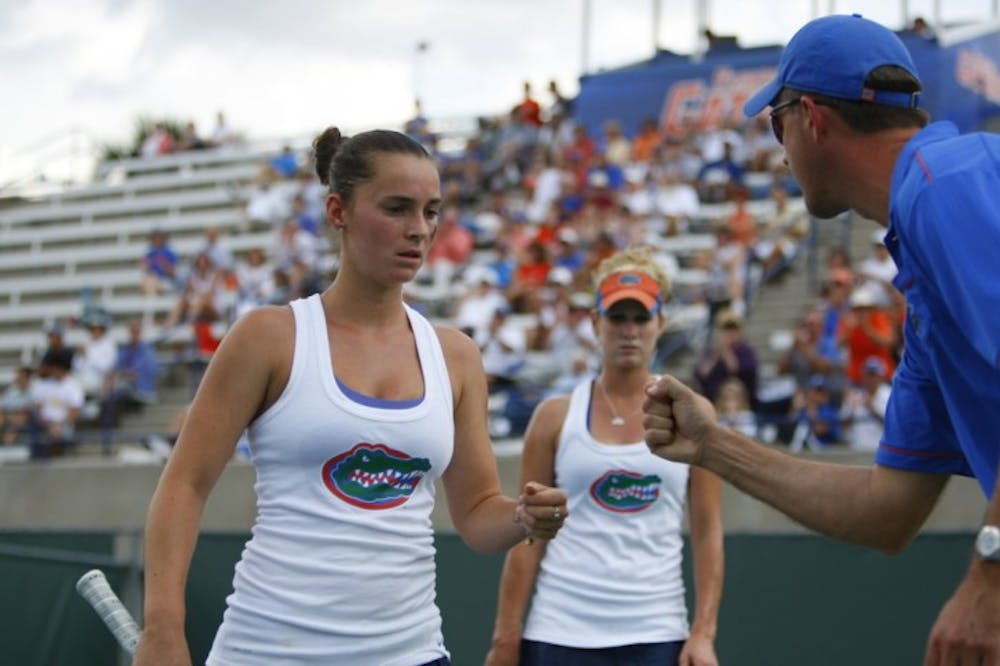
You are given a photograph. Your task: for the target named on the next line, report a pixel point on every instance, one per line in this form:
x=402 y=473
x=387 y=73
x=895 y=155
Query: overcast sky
x=77 y=73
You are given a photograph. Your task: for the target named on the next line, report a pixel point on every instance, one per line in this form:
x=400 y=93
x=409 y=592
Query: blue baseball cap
x=833 y=56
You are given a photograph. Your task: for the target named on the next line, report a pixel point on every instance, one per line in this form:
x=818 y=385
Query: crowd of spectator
x=532 y=203
x=164 y=138
x=96 y=381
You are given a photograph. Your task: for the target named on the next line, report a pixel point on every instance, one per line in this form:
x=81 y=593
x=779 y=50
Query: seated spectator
x=562 y=106
x=503 y=350
x=741 y=222
x=807 y=358
x=573 y=333
x=313 y=196
x=58 y=399
x=190 y=140
x=568 y=253
x=159 y=264
x=95 y=358
x=878 y=270
x=781 y=235
x=676 y=200
x=725 y=266
x=617 y=148
x=817 y=418
x=270 y=201
x=837 y=291
x=222 y=134
x=605 y=184
x=56 y=341
x=217 y=249
x=531 y=274
x=866 y=331
x=286 y=163
x=639 y=196
x=16 y=405
x=502 y=263
x=602 y=247
x=553 y=303
x=581 y=150
x=733 y=408
x=158 y=141
x=528 y=108
x=728 y=356
x=255 y=280
x=863 y=408
x=647 y=141
x=764 y=153
x=418 y=127
x=838 y=260
x=306 y=219
x=921 y=28
x=201 y=299
x=516 y=146
x=297 y=253
x=579 y=371
x=546 y=228
x=681 y=153
x=131 y=383
x=546 y=186
x=720 y=179
x=451 y=249
x=481 y=299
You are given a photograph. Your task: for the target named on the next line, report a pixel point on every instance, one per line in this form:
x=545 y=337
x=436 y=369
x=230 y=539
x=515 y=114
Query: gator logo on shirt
x=373 y=476
x=623 y=491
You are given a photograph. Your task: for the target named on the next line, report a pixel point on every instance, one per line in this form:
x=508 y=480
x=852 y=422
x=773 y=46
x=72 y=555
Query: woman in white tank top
x=610 y=589
x=354 y=405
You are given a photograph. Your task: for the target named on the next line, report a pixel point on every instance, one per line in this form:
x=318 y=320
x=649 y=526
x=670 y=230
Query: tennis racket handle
x=93 y=586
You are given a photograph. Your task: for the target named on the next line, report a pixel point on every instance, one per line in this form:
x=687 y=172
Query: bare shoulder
x=264 y=334
x=457 y=345
x=264 y=326
x=253 y=362
x=549 y=416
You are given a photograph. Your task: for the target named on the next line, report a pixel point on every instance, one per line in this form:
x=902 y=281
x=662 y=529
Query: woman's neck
x=362 y=302
x=624 y=381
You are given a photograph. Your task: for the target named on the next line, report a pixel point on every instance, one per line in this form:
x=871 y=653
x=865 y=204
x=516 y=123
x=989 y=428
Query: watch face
x=988 y=543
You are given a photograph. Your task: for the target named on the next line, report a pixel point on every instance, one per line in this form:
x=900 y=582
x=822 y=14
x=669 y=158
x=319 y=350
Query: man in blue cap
x=845 y=104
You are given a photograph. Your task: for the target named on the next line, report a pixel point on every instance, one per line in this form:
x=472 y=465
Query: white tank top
x=340 y=565
x=612 y=576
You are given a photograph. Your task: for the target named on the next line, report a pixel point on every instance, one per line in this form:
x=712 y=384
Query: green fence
x=799 y=600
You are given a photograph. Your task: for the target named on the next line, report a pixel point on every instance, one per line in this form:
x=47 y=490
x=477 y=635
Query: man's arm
x=878 y=506
x=967 y=629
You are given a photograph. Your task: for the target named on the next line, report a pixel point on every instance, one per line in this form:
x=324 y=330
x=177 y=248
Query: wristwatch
x=988 y=543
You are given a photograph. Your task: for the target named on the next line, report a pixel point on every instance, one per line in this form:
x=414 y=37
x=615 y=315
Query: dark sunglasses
x=776 y=125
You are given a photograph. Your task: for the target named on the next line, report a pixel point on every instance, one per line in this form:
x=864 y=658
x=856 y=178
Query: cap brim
x=648 y=301
x=762 y=99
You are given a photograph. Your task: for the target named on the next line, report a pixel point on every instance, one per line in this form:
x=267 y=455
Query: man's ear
x=818 y=119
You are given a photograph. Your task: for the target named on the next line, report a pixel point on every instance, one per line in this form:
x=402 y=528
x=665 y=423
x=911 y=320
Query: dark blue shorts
x=443 y=661
x=534 y=653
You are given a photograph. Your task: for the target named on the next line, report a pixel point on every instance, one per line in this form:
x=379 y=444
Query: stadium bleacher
x=90 y=239
x=93 y=237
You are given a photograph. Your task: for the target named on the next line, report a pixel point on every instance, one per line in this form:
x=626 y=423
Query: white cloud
x=290 y=68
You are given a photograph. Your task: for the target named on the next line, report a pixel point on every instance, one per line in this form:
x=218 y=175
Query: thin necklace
x=616 y=420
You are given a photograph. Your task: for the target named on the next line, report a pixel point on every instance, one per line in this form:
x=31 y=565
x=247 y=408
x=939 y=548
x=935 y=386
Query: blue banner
x=961 y=80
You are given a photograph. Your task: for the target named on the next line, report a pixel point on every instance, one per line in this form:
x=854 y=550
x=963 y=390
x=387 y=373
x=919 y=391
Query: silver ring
x=556 y=515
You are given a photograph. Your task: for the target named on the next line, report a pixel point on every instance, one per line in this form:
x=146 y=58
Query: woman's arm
x=487 y=520
x=705 y=510
x=233 y=390
x=521 y=566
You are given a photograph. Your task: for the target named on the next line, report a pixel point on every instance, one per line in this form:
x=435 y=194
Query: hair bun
x=324 y=148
